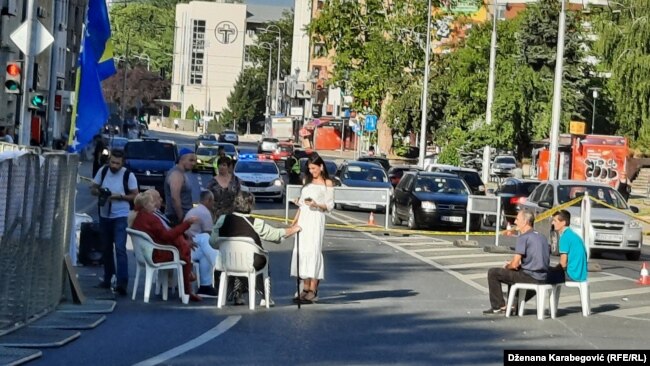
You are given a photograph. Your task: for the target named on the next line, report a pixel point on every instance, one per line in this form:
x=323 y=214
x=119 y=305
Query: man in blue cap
x=178 y=189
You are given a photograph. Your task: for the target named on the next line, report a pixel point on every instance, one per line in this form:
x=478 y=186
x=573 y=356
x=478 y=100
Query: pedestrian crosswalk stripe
x=628 y=312
x=475 y=265
x=447 y=249
x=475 y=255
x=607 y=294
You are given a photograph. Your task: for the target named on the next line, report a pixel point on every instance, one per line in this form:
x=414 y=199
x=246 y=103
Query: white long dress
x=312 y=222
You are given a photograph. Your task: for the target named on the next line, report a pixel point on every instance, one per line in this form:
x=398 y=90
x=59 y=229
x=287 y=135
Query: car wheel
x=633 y=256
x=555 y=250
x=338 y=206
x=474 y=223
x=394 y=219
x=412 y=224
x=593 y=254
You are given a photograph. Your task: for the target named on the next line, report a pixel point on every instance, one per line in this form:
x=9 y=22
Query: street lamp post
x=425 y=92
x=266 y=45
x=277 y=77
x=593 y=108
x=557 y=95
x=126 y=67
x=490 y=92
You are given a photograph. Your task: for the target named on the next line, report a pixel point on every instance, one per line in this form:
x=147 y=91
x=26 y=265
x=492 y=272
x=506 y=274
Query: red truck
x=593 y=158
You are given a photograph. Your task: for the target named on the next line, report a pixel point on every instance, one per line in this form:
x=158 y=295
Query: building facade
x=210 y=51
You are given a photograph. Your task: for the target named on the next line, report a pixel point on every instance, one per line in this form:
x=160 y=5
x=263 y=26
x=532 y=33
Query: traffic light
x=13 y=77
x=36 y=100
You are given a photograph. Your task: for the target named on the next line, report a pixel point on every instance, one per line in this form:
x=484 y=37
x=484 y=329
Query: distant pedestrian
x=176 y=124
x=623 y=186
x=100 y=155
x=371 y=151
x=5 y=136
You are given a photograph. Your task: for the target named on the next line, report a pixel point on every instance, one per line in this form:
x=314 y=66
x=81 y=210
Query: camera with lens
x=104 y=194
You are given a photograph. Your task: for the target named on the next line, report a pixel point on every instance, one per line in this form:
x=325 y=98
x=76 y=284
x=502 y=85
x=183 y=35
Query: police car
x=260 y=177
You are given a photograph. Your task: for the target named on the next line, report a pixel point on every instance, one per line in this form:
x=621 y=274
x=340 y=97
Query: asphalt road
x=387 y=299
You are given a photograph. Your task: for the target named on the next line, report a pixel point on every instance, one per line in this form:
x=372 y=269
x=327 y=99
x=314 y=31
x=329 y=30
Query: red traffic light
x=13 y=69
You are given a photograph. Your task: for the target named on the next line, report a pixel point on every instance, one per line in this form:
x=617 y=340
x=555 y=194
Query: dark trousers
x=240 y=284
x=499 y=276
x=113 y=232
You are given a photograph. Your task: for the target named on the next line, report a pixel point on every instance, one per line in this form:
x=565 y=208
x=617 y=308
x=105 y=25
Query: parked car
x=513 y=192
x=432 y=199
x=396 y=173
x=376 y=159
x=366 y=175
x=229 y=136
x=283 y=151
x=150 y=159
x=503 y=165
x=614 y=231
x=471 y=176
x=205 y=156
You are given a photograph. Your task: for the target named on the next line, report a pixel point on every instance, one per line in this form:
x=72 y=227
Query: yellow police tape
x=637 y=217
x=367 y=228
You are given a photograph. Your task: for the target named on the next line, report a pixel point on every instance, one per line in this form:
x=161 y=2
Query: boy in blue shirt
x=573 y=255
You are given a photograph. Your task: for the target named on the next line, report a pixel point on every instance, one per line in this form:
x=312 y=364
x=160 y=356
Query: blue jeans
x=114 y=231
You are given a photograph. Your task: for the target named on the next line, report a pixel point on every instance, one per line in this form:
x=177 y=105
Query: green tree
x=623 y=48
x=246 y=101
x=148 y=27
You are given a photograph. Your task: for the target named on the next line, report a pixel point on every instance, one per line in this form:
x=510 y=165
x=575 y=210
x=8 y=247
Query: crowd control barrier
x=362 y=197
x=36 y=216
x=487 y=205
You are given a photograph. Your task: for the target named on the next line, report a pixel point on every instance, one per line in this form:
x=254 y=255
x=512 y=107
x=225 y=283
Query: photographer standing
x=115 y=186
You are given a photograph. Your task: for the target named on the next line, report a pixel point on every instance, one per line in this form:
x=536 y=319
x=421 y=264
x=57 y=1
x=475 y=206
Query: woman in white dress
x=316 y=198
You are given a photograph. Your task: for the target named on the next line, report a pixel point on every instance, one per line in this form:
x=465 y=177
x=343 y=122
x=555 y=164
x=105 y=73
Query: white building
x=209 y=51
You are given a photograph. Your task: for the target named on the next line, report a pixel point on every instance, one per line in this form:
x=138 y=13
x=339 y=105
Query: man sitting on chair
x=241 y=224
x=529 y=264
x=573 y=255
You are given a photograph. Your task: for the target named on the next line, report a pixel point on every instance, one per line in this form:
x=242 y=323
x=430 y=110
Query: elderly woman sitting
x=241 y=224
x=146 y=220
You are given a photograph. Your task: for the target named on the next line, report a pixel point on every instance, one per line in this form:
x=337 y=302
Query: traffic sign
x=41 y=38
x=371 y=123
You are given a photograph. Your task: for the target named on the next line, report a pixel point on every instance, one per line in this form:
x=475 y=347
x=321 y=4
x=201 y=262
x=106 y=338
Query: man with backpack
x=116 y=187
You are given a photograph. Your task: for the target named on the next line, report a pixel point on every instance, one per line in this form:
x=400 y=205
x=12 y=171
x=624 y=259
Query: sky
x=284 y=3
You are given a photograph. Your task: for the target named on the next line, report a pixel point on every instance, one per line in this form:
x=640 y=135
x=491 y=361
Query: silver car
x=613 y=231
x=503 y=165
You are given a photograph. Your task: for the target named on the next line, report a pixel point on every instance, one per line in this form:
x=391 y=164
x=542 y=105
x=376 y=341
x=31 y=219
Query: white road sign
x=41 y=39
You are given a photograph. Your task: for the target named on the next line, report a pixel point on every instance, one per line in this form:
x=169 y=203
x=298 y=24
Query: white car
x=261 y=178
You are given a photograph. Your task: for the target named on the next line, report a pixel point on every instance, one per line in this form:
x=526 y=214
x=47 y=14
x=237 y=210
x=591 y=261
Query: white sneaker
x=263 y=302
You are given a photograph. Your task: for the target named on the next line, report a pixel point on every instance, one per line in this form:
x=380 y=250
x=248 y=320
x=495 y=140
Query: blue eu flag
x=95 y=64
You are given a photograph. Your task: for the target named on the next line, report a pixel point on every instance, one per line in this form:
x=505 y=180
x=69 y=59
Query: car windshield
x=118 y=142
x=566 y=193
x=256 y=167
x=229 y=149
x=355 y=172
x=207 y=138
x=285 y=148
x=379 y=161
x=150 y=150
x=204 y=151
x=505 y=160
x=472 y=178
x=269 y=145
x=527 y=188
x=440 y=185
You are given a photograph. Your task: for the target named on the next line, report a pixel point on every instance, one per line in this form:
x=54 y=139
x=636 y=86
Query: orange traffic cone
x=645 y=277
x=371 y=219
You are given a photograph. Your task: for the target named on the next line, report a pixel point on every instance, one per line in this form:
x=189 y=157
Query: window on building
x=501 y=12
x=198 y=55
x=319 y=50
x=250 y=32
x=320 y=5
x=247 y=54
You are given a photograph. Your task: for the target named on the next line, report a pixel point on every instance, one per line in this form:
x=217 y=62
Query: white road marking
x=629 y=312
x=447 y=249
x=476 y=265
x=221 y=328
x=461 y=256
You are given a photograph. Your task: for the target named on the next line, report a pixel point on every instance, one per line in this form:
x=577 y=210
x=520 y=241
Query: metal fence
x=36 y=217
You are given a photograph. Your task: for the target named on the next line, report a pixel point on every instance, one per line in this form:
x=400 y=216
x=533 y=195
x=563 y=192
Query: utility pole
x=52 y=118
x=125 y=69
x=557 y=95
x=28 y=77
x=277 y=85
x=490 y=92
x=425 y=92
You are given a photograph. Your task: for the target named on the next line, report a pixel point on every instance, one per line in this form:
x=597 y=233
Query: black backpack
x=125 y=182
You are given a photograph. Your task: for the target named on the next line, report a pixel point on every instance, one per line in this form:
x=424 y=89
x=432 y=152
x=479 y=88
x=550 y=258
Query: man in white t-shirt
x=5 y=136
x=203 y=252
x=115 y=191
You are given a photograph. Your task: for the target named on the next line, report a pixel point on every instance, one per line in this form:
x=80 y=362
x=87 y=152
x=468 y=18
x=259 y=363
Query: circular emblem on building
x=226 y=32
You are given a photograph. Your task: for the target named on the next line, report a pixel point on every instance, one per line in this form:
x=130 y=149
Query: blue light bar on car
x=245 y=157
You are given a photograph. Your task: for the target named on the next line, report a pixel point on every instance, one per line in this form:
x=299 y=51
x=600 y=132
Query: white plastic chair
x=143 y=247
x=583 y=287
x=541 y=290
x=237 y=260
